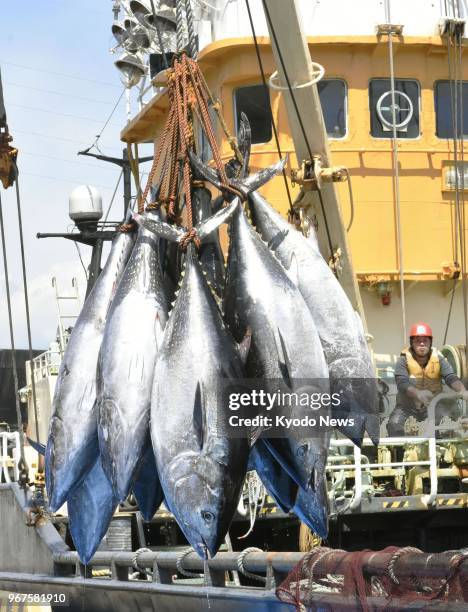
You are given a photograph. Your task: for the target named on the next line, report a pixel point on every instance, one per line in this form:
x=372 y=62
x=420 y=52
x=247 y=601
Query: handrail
x=429 y=499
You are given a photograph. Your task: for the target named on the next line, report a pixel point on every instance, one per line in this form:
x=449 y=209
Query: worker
x=418 y=375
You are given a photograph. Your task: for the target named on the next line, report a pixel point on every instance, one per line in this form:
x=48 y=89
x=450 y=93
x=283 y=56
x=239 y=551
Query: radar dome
x=85 y=204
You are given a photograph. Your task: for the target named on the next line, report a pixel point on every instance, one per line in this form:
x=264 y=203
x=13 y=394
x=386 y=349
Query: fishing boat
x=366 y=102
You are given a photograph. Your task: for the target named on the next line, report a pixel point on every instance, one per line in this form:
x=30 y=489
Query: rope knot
x=190 y=236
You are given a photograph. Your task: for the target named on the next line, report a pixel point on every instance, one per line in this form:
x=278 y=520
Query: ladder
x=65 y=317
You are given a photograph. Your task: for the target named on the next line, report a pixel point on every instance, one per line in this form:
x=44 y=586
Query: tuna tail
x=244 y=186
x=175 y=234
x=88 y=527
x=245 y=143
x=311 y=507
x=37 y=446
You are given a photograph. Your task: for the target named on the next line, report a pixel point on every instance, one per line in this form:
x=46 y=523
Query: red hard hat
x=420 y=329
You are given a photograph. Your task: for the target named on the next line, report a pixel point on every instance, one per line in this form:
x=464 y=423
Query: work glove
x=424 y=396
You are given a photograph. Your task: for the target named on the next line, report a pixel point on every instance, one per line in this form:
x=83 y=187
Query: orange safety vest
x=428 y=377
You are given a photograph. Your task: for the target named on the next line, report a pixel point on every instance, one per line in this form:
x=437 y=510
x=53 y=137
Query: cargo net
x=390 y=579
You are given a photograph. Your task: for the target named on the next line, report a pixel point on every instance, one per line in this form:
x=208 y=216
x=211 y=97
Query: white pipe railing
x=5 y=458
x=429 y=499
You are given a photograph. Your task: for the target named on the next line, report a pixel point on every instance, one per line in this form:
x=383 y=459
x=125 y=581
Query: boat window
x=333 y=98
x=254 y=102
x=447 y=95
x=407 y=103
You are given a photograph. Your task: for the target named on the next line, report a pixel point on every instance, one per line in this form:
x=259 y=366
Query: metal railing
x=358 y=465
x=9 y=440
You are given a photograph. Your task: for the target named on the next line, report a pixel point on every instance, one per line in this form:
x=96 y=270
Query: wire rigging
x=98 y=137
x=12 y=336
x=396 y=176
x=301 y=125
x=26 y=304
x=270 y=110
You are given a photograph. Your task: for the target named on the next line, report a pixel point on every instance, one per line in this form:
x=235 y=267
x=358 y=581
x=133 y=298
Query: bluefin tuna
x=134 y=331
x=285 y=345
x=72 y=446
x=201 y=468
x=339 y=326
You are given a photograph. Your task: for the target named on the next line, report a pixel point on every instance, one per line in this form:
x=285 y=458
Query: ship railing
x=360 y=461
x=271 y=569
x=46 y=364
x=9 y=441
x=162 y=567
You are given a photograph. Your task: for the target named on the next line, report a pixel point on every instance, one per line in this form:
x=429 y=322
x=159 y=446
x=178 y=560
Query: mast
x=297 y=81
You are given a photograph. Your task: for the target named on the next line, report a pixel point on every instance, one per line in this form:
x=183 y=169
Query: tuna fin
x=293 y=271
x=175 y=233
x=245 y=186
x=245 y=142
x=244 y=345
x=199 y=421
x=255 y=181
x=205 y=228
x=277 y=239
x=163 y=229
x=283 y=357
x=37 y=446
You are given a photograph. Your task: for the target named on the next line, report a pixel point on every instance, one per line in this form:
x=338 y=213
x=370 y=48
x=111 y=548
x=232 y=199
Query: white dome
x=85 y=204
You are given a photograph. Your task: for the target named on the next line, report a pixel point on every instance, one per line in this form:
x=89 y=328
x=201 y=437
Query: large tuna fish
x=133 y=334
x=201 y=469
x=285 y=344
x=72 y=445
x=339 y=327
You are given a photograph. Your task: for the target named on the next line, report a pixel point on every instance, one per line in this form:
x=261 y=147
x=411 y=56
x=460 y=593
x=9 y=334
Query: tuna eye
x=302 y=451
x=208 y=517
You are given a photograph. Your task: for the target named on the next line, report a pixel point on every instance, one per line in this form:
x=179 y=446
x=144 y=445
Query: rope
x=241 y=568
x=12 y=342
x=137 y=566
x=183 y=571
x=396 y=555
x=180 y=28
x=192 y=39
x=292 y=211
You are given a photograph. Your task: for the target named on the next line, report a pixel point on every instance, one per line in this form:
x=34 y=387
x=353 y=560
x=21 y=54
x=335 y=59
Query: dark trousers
x=398 y=417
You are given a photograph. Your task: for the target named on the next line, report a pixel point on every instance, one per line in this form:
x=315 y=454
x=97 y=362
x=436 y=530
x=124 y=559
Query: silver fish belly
x=72 y=444
x=134 y=331
x=201 y=469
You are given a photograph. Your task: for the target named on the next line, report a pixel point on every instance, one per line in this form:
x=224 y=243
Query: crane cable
x=454 y=59
x=395 y=177
x=301 y=125
x=12 y=342
x=292 y=212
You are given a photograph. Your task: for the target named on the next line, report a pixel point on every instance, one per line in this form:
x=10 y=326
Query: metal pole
x=94 y=268
x=127 y=182
x=298 y=83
